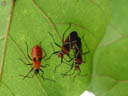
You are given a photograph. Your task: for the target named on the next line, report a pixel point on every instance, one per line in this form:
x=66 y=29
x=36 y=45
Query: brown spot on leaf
x=3 y=3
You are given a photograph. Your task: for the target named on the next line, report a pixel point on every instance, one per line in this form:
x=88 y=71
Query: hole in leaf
x=87 y=93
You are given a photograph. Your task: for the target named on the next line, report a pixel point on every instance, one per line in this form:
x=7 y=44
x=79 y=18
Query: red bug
x=77 y=57
x=36 y=57
x=67 y=45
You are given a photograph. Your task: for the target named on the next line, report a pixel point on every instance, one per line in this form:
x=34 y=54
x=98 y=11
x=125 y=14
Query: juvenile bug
x=77 y=60
x=67 y=45
x=36 y=58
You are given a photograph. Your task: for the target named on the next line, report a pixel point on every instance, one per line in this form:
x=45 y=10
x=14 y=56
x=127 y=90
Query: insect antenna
x=27 y=52
x=65 y=32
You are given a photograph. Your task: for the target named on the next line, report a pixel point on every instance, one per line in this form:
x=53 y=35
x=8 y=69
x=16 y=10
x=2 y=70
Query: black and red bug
x=67 y=45
x=36 y=58
x=77 y=59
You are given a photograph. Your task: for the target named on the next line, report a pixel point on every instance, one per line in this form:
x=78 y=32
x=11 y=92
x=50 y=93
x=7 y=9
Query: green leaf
x=110 y=65
x=31 y=21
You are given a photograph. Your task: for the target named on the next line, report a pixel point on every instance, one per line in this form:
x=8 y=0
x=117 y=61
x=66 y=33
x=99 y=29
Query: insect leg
x=86 y=47
x=58 y=65
x=46 y=78
x=24 y=62
x=65 y=74
x=27 y=52
x=56 y=52
x=28 y=74
x=66 y=63
x=45 y=54
x=76 y=76
x=43 y=66
x=54 y=40
x=41 y=71
x=71 y=73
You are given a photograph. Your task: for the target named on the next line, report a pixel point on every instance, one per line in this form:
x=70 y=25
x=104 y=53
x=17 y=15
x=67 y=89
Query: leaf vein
x=12 y=94
x=45 y=15
x=6 y=39
x=113 y=41
x=82 y=28
x=116 y=83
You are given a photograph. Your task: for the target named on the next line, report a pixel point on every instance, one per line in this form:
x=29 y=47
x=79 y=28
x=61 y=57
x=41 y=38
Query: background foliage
x=110 y=63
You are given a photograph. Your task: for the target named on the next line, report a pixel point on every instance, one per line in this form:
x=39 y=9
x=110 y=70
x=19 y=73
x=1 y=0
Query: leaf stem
x=6 y=38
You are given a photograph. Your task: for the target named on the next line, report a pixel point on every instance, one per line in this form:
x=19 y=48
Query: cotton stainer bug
x=67 y=45
x=77 y=57
x=36 y=58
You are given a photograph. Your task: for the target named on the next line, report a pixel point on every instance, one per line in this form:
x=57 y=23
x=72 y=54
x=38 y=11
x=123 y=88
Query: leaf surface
x=31 y=21
x=110 y=63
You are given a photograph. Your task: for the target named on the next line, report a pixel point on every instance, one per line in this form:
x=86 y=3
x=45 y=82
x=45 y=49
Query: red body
x=66 y=47
x=36 y=56
x=78 y=62
x=78 y=58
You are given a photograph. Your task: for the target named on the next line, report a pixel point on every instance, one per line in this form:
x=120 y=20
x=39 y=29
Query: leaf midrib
x=6 y=38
